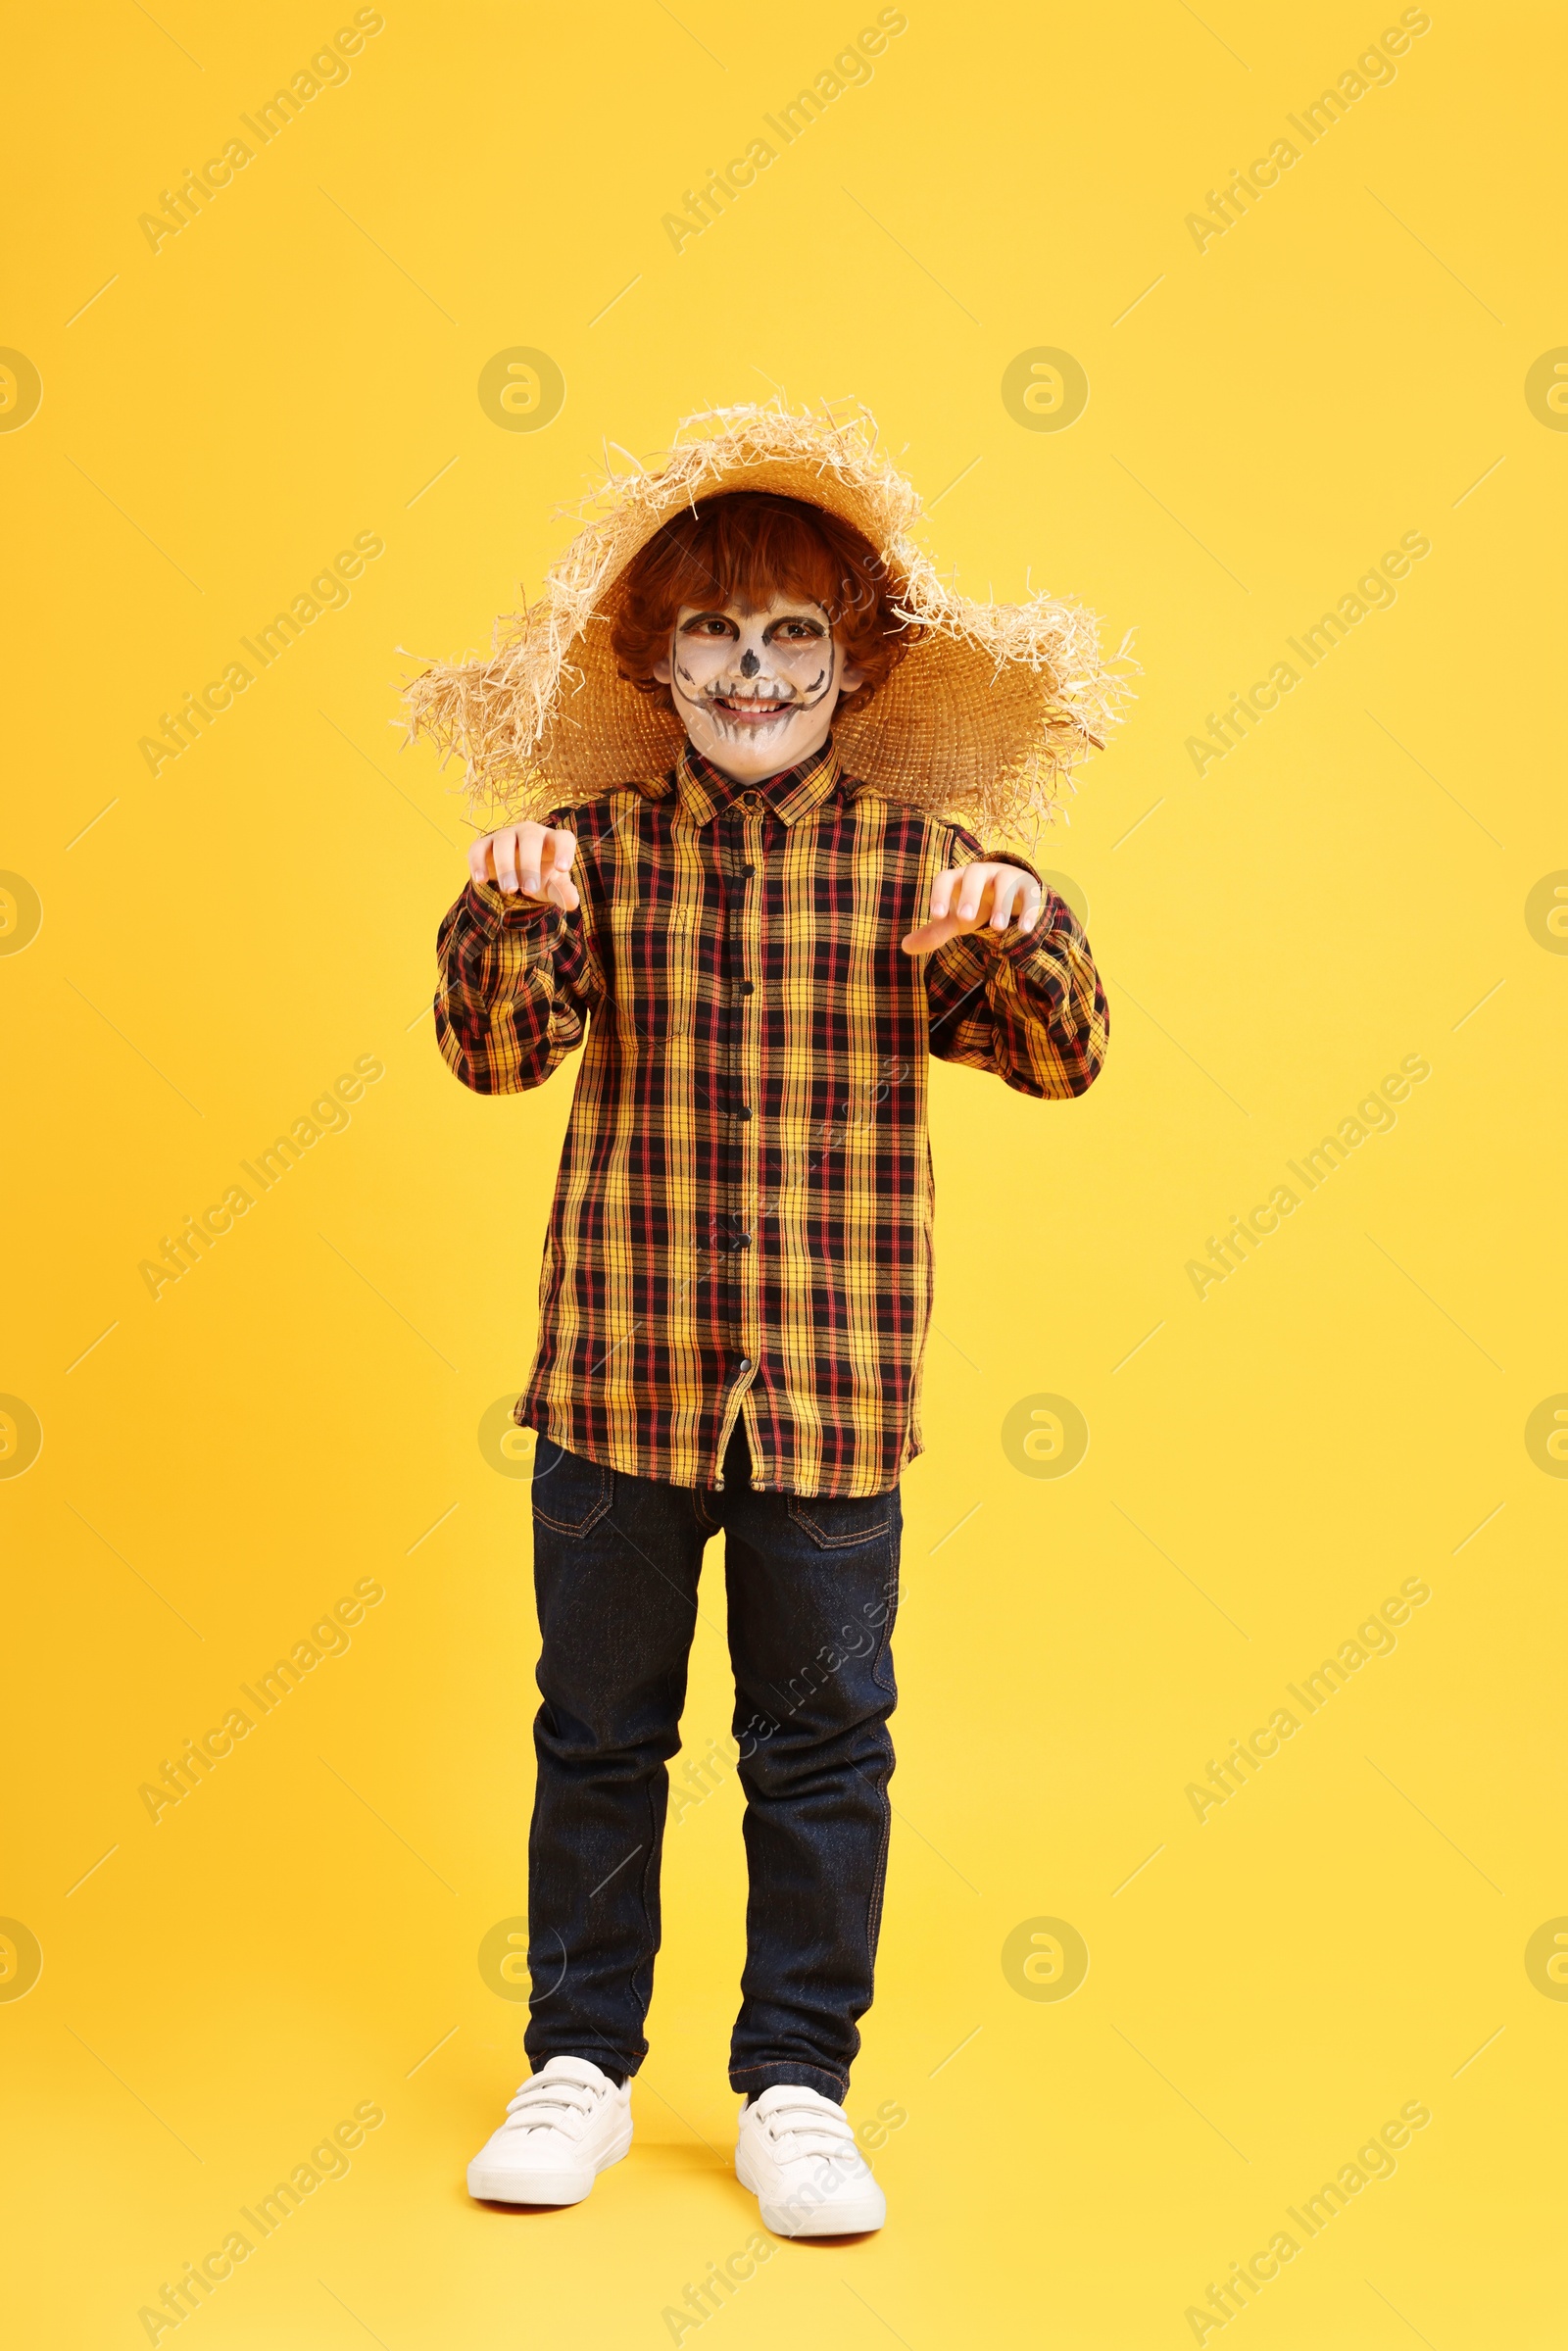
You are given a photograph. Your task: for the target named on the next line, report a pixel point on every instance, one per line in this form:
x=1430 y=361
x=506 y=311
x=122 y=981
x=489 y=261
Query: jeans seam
x=585 y=1526
x=650 y=1952
x=653 y=1863
x=700 y=1515
x=802 y=1517
x=873 y=1908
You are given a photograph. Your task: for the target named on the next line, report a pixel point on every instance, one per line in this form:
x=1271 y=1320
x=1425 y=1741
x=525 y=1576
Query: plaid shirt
x=742 y=1217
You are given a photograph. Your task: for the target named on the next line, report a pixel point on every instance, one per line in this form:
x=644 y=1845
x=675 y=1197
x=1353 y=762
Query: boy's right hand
x=530 y=861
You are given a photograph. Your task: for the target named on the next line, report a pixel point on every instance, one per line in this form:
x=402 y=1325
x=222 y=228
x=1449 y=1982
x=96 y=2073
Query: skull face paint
x=755 y=690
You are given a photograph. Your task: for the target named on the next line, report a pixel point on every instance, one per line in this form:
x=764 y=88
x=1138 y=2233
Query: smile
x=752 y=711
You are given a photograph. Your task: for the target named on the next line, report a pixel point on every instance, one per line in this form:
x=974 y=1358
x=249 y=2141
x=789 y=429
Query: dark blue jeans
x=812 y=1589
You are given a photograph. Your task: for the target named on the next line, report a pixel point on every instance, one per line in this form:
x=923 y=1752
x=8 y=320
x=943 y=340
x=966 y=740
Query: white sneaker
x=796 y=2152
x=567 y=2124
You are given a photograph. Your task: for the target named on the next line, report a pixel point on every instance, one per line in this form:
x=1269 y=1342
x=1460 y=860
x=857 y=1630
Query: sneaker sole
x=504 y=2186
x=857 y=2219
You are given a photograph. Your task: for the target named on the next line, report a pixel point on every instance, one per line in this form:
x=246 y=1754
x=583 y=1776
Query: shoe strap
x=814 y=2127
x=547 y=2097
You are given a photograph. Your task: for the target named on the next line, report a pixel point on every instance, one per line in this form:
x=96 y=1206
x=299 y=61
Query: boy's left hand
x=970 y=898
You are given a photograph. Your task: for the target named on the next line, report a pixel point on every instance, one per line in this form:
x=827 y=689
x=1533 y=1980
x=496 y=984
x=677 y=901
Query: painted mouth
x=753 y=710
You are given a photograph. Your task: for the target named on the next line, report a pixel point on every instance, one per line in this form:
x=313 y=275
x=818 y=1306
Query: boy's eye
x=795 y=632
x=709 y=625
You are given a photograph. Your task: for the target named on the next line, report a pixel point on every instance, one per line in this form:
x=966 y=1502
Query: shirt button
x=746 y=1362
x=743 y=1113
x=747 y=871
x=746 y=987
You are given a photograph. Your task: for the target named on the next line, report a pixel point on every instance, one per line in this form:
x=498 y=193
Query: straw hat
x=982 y=719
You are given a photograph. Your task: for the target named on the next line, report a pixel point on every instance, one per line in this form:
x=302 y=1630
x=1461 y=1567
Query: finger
x=479 y=861
x=504 y=851
x=561 y=848
x=1034 y=898
x=942 y=890
x=975 y=887
x=926 y=937
x=1007 y=891
x=530 y=856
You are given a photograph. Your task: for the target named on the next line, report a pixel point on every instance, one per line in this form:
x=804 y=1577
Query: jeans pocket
x=836 y=1522
x=570 y=1494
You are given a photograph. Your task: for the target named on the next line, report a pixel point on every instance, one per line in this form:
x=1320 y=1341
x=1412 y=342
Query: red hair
x=746 y=547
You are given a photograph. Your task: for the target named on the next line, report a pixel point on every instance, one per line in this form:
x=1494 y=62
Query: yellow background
x=300 y=1411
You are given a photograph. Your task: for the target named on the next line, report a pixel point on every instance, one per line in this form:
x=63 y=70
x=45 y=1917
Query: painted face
x=755 y=690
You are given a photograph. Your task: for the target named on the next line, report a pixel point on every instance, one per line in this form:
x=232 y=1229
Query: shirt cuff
x=495 y=909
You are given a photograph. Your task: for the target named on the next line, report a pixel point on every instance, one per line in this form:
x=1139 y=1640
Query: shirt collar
x=705 y=790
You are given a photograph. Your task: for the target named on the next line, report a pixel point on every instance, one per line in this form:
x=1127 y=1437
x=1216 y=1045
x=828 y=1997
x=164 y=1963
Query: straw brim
x=983 y=718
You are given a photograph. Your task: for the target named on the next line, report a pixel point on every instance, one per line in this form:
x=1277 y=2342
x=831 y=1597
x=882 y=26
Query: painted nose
x=749 y=664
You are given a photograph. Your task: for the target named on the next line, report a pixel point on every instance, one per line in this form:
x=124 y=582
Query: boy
x=762 y=943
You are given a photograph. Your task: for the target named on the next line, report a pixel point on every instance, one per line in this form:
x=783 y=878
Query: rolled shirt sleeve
x=518 y=978
x=1027 y=1006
